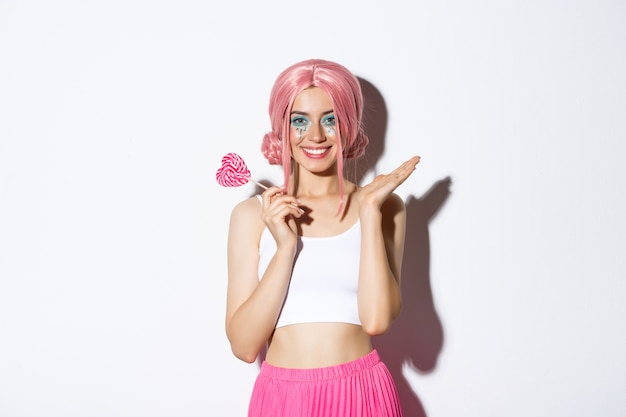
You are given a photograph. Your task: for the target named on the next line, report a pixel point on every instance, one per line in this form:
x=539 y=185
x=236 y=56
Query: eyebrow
x=303 y=113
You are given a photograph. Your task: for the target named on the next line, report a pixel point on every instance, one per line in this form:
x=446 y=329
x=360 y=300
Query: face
x=313 y=134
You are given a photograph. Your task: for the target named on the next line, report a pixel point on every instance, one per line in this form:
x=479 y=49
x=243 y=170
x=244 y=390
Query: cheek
x=296 y=132
x=295 y=136
x=329 y=130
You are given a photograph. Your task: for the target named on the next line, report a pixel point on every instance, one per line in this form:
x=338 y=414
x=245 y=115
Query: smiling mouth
x=315 y=151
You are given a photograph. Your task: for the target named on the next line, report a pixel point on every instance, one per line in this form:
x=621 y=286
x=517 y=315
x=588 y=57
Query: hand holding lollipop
x=234 y=172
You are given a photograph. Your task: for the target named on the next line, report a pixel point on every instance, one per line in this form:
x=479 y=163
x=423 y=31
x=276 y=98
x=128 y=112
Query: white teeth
x=317 y=151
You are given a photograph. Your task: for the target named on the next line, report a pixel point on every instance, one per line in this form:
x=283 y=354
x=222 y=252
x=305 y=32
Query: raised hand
x=278 y=212
x=375 y=193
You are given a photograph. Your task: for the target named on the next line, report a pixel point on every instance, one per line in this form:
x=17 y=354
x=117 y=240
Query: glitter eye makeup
x=329 y=124
x=301 y=124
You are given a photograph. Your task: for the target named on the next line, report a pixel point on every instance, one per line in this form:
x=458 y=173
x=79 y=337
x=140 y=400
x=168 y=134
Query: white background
x=114 y=117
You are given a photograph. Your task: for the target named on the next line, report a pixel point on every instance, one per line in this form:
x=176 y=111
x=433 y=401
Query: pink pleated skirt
x=361 y=388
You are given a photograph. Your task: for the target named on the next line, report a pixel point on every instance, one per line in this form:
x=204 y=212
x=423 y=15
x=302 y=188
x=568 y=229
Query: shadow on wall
x=416 y=337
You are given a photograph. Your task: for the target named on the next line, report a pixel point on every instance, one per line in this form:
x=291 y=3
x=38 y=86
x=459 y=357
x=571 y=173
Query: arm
x=253 y=306
x=383 y=220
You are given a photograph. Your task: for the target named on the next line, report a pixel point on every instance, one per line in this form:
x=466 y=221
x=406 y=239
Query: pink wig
x=344 y=91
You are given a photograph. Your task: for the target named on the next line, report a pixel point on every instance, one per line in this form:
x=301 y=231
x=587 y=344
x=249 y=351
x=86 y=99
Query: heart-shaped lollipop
x=234 y=172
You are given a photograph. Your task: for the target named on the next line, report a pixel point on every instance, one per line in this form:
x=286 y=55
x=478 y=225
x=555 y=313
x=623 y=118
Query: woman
x=314 y=265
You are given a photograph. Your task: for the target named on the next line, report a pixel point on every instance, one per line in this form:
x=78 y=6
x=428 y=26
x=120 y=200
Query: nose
x=317 y=133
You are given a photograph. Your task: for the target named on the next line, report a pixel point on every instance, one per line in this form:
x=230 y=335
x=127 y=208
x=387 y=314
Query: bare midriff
x=317 y=345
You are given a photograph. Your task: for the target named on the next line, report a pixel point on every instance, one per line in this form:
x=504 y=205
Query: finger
x=410 y=163
x=283 y=217
x=407 y=168
x=280 y=199
x=270 y=192
x=415 y=159
x=283 y=206
x=269 y=195
x=396 y=177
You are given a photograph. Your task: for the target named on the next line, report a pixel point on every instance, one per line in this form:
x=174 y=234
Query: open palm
x=374 y=194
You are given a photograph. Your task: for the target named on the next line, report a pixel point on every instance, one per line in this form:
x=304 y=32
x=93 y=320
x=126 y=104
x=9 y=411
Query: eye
x=329 y=120
x=299 y=122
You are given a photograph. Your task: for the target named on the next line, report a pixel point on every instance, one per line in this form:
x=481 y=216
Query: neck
x=307 y=184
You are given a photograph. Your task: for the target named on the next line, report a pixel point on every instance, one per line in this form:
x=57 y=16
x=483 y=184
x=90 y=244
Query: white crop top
x=324 y=280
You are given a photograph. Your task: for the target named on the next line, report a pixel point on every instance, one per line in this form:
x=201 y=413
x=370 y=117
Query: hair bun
x=357 y=147
x=272 y=148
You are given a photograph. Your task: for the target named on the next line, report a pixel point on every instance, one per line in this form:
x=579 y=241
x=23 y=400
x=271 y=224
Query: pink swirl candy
x=234 y=172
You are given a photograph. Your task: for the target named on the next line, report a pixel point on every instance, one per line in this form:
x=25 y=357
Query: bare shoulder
x=246 y=216
x=249 y=207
